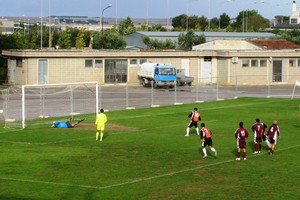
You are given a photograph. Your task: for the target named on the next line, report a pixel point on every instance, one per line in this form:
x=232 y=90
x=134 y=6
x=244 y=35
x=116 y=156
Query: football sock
x=239 y=154
x=197 y=129
x=97 y=135
x=187 y=131
x=268 y=143
x=204 y=151
x=80 y=121
x=101 y=136
x=255 y=147
x=213 y=149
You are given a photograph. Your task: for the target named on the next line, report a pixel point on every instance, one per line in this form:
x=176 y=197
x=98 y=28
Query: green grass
x=148 y=156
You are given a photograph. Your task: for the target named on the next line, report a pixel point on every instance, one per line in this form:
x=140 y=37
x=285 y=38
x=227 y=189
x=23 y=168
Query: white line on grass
x=46 y=143
x=83 y=138
x=137 y=180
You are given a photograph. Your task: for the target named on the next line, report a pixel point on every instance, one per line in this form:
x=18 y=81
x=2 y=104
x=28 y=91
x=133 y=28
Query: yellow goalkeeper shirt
x=100 y=121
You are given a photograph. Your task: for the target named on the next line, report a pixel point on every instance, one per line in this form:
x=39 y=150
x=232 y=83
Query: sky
x=143 y=8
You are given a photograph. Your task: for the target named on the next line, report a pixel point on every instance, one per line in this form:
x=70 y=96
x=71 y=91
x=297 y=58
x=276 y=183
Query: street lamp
x=49 y=18
x=110 y=5
x=41 y=24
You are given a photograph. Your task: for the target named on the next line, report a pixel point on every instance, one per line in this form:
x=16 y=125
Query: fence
x=119 y=97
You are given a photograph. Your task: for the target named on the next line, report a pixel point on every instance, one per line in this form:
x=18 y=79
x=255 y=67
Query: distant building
x=6 y=27
x=295 y=17
x=292 y=23
x=228 y=62
x=135 y=40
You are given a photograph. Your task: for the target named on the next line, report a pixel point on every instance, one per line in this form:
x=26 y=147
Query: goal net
x=49 y=102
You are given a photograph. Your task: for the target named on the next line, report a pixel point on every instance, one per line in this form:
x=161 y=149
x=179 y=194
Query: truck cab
x=164 y=75
x=158 y=75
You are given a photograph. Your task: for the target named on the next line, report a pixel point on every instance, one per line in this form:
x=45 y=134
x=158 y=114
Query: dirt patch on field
x=108 y=126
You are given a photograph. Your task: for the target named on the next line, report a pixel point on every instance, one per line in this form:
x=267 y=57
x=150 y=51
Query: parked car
x=182 y=79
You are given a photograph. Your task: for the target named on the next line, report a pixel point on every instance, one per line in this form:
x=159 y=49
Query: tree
x=158 y=28
x=203 y=23
x=224 y=20
x=291 y=35
x=179 y=22
x=143 y=27
x=250 y=21
x=33 y=37
x=192 y=22
x=80 y=44
x=156 y=44
x=214 y=23
x=110 y=40
x=190 y=39
x=64 y=41
x=126 y=26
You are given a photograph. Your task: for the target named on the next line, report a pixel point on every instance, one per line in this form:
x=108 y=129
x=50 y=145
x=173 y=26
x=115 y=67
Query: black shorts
x=208 y=142
x=193 y=123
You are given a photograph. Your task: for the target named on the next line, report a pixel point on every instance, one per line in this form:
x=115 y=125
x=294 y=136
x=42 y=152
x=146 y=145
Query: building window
x=207 y=58
x=19 y=63
x=294 y=21
x=245 y=63
x=263 y=63
x=133 y=62
x=292 y=63
x=298 y=63
x=115 y=70
x=88 y=63
x=143 y=60
x=254 y=63
x=98 y=64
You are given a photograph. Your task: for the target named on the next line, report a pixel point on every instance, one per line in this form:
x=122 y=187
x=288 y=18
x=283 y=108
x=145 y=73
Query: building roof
x=275 y=44
x=247 y=45
x=136 y=39
x=226 y=45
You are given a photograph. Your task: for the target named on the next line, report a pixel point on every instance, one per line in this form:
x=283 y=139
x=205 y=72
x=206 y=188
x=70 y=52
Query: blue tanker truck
x=157 y=75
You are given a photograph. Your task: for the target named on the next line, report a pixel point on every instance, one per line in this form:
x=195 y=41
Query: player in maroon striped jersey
x=241 y=134
x=258 y=130
x=272 y=134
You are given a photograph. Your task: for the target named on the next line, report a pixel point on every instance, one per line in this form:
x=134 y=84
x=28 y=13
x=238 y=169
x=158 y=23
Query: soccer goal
x=69 y=100
x=297 y=83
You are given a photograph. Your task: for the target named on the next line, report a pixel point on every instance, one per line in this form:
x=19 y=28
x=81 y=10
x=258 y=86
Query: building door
x=42 y=71
x=185 y=65
x=11 y=77
x=277 y=71
x=206 y=70
x=116 y=71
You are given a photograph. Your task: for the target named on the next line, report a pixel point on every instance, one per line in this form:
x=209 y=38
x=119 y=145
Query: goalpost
x=297 y=83
x=51 y=100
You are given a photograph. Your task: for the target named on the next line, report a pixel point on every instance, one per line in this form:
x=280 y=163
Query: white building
x=6 y=27
x=295 y=17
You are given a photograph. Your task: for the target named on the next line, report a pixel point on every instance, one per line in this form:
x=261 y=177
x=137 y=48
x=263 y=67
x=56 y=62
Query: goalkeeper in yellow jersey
x=100 y=124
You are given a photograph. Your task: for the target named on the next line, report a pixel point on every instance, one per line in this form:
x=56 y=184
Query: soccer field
x=145 y=155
